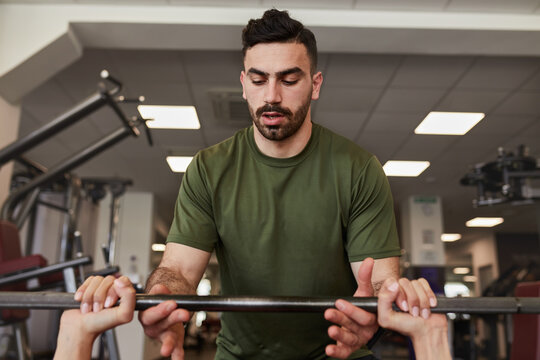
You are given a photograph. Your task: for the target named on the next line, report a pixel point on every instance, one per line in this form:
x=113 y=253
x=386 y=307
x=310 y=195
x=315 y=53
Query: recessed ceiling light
x=179 y=163
x=461 y=270
x=405 y=168
x=470 y=278
x=448 y=123
x=170 y=117
x=484 y=222
x=158 y=247
x=450 y=237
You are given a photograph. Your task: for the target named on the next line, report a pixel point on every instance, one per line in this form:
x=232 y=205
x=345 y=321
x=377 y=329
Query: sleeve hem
x=190 y=242
x=376 y=255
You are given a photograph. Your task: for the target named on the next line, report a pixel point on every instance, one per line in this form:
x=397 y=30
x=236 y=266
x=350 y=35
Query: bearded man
x=290 y=208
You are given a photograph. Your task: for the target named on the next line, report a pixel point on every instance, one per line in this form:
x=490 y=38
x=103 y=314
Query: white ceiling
x=484 y=6
x=375 y=100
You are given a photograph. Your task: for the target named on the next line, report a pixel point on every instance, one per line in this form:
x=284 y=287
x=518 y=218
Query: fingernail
x=108 y=302
x=405 y=306
x=415 y=311
x=425 y=313
x=393 y=286
x=432 y=301
x=78 y=295
x=171 y=306
x=96 y=307
x=340 y=306
x=85 y=308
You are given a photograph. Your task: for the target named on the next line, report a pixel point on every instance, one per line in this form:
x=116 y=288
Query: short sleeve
x=193 y=224
x=371 y=230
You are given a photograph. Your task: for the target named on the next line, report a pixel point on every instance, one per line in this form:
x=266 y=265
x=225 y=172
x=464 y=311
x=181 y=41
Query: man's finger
x=358 y=315
x=157 y=313
x=365 y=288
x=168 y=342
x=339 y=351
x=159 y=289
x=177 y=317
x=341 y=319
x=172 y=342
x=178 y=351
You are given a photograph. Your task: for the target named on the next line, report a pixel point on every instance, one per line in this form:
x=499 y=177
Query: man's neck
x=288 y=147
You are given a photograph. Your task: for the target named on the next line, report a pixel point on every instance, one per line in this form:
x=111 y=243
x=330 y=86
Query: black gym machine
x=511 y=179
x=23 y=199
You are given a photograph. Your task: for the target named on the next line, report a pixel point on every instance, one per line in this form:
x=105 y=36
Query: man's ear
x=317 y=83
x=242 y=78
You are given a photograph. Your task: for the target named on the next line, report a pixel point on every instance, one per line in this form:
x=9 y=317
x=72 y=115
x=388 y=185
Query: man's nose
x=272 y=94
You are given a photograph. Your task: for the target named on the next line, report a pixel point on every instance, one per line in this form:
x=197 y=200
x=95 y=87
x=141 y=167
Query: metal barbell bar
x=471 y=305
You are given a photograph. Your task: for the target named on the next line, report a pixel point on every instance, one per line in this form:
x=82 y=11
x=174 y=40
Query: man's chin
x=272 y=133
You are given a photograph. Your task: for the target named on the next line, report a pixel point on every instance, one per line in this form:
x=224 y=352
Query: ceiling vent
x=229 y=106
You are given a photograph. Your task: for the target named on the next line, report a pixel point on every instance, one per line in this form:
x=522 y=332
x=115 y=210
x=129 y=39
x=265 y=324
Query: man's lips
x=272 y=118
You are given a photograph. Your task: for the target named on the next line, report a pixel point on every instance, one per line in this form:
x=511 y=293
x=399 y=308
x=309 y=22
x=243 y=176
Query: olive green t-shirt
x=288 y=227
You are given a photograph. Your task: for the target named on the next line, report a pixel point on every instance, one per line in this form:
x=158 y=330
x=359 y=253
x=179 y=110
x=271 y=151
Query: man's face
x=278 y=87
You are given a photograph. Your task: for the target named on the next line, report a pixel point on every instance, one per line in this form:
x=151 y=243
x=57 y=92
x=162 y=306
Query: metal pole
x=72 y=204
x=113 y=227
x=66 y=166
x=26 y=208
x=68 y=118
x=21 y=335
x=478 y=305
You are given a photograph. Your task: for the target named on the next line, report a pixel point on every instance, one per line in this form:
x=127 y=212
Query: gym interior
x=89 y=178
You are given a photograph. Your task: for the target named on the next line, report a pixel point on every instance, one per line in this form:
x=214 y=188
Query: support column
x=9 y=129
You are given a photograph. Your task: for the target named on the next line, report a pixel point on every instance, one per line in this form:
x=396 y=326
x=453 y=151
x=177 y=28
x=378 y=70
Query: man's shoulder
x=342 y=147
x=225 y=148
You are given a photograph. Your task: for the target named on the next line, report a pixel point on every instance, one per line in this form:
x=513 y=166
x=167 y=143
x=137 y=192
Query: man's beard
x=284 y=130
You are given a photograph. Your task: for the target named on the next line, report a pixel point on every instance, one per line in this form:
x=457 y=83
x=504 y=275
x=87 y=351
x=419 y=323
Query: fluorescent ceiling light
x=470 y=278
x=484 y=222
x=461 y=270
x=170 y=117
x=179 y=163
x=158 y=247
x=405 y=168
x=448 y=123
x=450 y=237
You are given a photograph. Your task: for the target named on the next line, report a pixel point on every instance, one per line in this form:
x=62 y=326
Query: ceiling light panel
x=450 y=237
x=484 y=222
x=448 y=123
x=170 y=117
x=179 y=163
x=158 y=247
x=461 y=270
x=405 y=168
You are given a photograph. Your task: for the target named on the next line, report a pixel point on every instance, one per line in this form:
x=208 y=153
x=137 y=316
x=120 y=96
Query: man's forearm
x=173 y=280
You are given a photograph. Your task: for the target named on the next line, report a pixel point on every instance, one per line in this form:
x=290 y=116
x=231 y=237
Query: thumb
x=159 y=289
x=365 y=288
x=386 y=296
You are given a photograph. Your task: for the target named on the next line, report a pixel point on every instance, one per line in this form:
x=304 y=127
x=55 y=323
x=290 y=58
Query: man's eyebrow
x=257 y=72
x=294 y=70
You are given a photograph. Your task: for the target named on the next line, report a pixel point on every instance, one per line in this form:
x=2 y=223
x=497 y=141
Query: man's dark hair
x=278 y=26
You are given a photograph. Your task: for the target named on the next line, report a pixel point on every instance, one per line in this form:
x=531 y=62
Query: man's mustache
x=272 y=108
